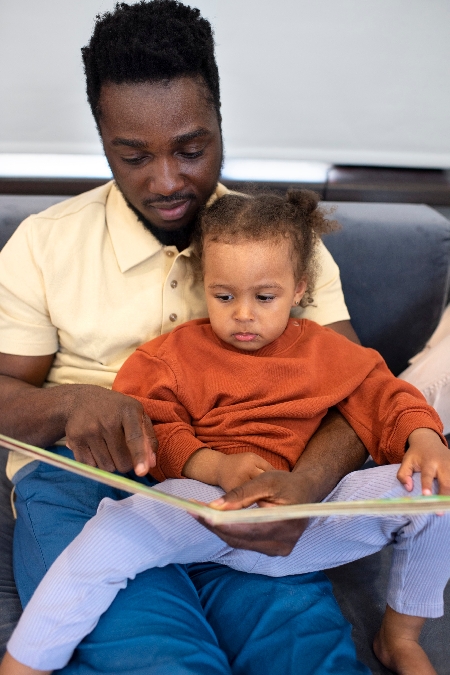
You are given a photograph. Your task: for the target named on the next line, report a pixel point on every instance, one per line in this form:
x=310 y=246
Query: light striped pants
x=134 y=534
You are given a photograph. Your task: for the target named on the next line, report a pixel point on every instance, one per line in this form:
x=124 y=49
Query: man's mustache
x=164 y=199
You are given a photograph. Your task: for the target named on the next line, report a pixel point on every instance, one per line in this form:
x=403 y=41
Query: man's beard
x=180 y=238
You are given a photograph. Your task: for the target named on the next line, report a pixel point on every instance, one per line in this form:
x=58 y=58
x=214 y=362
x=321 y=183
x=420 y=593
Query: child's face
x=250 y=288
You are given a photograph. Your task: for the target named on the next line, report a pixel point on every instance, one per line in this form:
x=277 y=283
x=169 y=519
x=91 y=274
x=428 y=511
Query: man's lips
x=245 y=337
x=174 y=211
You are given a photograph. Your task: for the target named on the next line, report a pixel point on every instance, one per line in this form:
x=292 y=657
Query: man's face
x=163 y=144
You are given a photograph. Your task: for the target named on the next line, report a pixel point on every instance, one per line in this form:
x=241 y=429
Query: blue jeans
x=10 y=608
x=199 y=619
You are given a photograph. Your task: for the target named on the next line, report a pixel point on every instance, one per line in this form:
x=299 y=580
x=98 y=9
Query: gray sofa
x=394 y=261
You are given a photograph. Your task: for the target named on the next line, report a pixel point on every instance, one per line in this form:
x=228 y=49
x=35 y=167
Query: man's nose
x=166 y=177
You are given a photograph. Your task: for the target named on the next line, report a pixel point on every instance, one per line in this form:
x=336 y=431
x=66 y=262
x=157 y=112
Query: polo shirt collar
x=131 y=242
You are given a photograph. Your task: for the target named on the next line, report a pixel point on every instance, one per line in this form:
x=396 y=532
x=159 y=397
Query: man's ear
x=299 y=292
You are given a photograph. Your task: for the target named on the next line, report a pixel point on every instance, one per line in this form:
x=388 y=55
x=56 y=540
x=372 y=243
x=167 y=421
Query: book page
x=375 y=507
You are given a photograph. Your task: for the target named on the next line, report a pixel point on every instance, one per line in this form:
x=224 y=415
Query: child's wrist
x=202 y=465
x=424 y=434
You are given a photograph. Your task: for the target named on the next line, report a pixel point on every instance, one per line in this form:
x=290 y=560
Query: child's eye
x=265 y=297
x=224 y=297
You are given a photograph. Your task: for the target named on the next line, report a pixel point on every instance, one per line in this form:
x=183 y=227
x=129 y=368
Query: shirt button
x=173 y=317
x=174 y=284
x=170 y=254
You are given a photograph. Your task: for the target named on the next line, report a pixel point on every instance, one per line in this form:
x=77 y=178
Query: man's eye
x=224 y=297
x=264 y=297
x=192 y=155
x=134 y=160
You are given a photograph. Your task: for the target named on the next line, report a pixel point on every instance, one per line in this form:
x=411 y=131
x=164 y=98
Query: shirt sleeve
x=25 y=325
x=152 y=382
x=328 y=304
x=384 y=411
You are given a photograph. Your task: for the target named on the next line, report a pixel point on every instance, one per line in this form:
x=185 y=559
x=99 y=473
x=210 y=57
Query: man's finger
x=244 y=495
x=141 y=441
x=243 y=535
x=150 y=439
x=101 y=454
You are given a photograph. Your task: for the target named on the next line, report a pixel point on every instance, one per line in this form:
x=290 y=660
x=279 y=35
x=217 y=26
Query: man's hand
x=103 y=428
x=268 y=489
x=109 y=430
x=331 y=454
x=429 y=456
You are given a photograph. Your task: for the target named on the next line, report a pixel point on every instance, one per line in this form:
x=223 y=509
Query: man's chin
x=157 y=223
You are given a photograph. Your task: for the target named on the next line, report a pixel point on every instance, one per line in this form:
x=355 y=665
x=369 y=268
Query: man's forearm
x=334 y=451
x=33 y=414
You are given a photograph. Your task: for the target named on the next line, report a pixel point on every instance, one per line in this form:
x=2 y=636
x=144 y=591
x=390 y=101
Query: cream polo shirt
x=86 y=281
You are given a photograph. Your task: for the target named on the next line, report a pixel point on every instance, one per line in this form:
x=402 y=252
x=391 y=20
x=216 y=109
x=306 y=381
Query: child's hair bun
x=304 y=200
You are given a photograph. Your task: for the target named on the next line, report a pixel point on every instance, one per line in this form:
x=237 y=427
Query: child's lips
x=245 y=337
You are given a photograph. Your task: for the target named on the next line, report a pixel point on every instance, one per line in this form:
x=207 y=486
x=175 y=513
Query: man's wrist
x=308 y=486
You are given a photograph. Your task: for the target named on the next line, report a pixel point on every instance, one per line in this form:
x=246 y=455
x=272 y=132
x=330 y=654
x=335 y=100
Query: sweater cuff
x=406 y=423
x=178 y=447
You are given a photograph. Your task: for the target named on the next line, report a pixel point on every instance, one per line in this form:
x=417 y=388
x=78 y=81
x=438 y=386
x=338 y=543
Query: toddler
x=240 y=394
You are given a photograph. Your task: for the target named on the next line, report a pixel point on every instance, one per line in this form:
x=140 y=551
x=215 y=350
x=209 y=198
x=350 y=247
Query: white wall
x=343 y=81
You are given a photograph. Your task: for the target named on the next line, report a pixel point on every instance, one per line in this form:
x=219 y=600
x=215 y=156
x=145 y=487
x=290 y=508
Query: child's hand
x=228 y=471
x=235 y=470
x=427 y=454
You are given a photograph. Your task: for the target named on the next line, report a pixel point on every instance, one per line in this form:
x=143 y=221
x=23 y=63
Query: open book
x=375 y=507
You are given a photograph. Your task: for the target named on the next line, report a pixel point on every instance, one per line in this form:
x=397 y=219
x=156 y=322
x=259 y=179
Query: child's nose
x=244 y=312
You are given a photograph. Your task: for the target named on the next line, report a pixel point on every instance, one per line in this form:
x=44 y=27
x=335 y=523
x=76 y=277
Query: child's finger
x=404 y=475
x=263 y=465
x=427 y=476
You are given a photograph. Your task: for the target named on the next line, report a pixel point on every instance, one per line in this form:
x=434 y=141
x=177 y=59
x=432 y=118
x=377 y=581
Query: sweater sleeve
x=384 y=410
x=150 y=380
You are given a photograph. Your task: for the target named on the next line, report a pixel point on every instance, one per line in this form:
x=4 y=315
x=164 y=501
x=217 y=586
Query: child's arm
x=429 y=456
x=10 y=666
x=392 y=418
x=228 y=471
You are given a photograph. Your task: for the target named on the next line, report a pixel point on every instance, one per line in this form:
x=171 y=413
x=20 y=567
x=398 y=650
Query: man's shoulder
x=75 y=205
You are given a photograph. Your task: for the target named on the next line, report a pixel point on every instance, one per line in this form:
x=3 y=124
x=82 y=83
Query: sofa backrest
x=15 y=208
x=394 y=262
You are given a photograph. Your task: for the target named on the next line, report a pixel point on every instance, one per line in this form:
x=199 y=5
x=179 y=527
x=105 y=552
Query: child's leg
x=420 y=563
x=123 y=539
x=129 y=536
x=10 y=666
x=397 y=644
x=421 y=544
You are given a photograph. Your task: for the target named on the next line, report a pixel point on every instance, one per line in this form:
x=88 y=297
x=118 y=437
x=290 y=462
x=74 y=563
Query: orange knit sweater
x=200 y=391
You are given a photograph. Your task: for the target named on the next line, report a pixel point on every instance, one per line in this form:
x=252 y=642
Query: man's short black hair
x=150 y=42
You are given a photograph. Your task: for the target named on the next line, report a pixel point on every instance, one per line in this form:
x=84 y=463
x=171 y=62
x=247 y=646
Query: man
x=82 y=285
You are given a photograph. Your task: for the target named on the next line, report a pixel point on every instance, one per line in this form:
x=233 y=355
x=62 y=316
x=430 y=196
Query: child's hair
x=260 y=217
